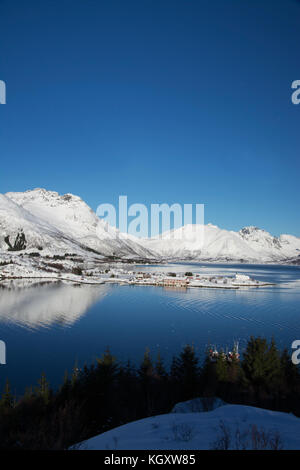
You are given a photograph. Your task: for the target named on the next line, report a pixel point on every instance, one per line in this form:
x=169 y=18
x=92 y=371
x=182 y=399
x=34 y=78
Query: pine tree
x=174 y=368
x=106 y=373
x=274 y=370
x=209 y=382
x=127 y=371
x=43 y=389
x=146 y=378
x=185 y=371
x=66 y=387
x=222 y=367
x=146 y=368
x=254 y=361
x=7 y=400
x=107 y=359
x=160 y=370
x=75 y=374
x=107 y=366
x=261 y=364
x=28 y=393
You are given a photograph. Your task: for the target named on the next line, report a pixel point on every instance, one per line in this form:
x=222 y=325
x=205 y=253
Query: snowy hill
x=241 y=427
x=65 y=223
x=209 y=242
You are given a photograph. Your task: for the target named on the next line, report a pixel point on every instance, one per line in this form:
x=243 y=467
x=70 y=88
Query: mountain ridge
x=65 y=222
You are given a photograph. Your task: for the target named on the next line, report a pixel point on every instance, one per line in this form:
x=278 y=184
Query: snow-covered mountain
x=65 y=218
x=65 y=223
x=209 y=242
x=38 y=233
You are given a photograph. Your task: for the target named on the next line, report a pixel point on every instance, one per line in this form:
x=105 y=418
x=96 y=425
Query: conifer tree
x=66 y=387
x=7 y=400
x=160 y=370
x=28 y=392
x=75 y=374
x=173 y=368
x=261 y=364
x=290 y=372
x=222 y=367
x=130 y=369
x=274 y=370
x=146 y=367
x=208 y=376
x=126 y=376
x=146 y=378
x=127 y=372
x=186 y=371
x=105 y=376
x=43 y=389
x=254 y=361
x=107 y=367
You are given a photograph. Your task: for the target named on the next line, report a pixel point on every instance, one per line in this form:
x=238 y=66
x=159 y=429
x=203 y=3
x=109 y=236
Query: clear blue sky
x=183 y=101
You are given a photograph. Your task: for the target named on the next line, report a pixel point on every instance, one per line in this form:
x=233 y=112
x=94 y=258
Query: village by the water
x=188 y=279
x=86 y=272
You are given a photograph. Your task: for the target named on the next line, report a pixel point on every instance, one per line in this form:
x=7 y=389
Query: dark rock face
x=19 y=243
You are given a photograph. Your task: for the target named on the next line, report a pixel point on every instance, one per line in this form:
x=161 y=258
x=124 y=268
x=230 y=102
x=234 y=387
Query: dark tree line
x=107 y=394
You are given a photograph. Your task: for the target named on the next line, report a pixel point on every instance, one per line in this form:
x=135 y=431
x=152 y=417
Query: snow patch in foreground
x=193 y=431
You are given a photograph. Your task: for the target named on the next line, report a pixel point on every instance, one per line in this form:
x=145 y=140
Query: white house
x=242 y=277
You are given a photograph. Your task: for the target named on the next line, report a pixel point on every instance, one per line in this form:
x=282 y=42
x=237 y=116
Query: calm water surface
x=50 y=327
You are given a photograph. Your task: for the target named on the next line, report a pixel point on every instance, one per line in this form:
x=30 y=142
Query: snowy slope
x=209 y=242
x=202 y=242
x=39 y=233
x=191 y=431
x=70 y=215
x=290 y=245
x=263 y=242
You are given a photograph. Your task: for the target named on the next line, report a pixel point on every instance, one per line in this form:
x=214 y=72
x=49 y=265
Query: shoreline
x=122 y=281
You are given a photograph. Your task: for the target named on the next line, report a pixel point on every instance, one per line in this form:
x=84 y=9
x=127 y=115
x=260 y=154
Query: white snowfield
x=242 y=427
x=65 y=223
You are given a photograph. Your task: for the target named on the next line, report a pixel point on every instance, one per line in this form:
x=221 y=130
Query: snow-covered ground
x=232 y=426
x=26 y=266
x=90 y=269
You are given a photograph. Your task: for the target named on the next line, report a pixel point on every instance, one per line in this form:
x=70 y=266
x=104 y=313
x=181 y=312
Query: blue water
x=49 y=328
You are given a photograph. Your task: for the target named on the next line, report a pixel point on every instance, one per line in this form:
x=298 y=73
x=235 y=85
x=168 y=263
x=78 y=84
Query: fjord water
x=50 y=327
